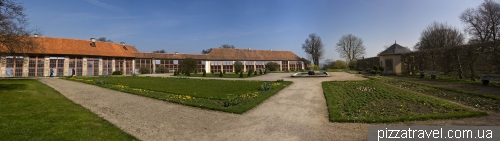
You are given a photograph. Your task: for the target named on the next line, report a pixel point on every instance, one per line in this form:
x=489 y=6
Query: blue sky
x=189 y=26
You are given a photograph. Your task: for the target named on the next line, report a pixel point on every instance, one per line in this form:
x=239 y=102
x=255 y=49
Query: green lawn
x=227 y=75
x=30 y=110
x=480 y=101
x=371 y=102
x=234 y=96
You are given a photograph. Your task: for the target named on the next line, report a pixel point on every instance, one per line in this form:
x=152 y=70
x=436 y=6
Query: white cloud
x=108 y=7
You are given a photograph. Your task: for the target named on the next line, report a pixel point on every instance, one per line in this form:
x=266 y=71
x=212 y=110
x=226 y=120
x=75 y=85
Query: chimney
x=92 y=42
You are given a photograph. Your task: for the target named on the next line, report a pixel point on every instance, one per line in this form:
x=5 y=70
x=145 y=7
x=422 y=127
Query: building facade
x=390 y=59
x=67 y=57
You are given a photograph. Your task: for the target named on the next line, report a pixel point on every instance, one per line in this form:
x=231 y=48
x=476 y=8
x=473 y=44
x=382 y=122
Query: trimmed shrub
x=204 y=73
x=117 y=73
x=272 y=66
x=351 y=67
x=381 y=69
x=188 y=73
x=260 y=71
x=315 y=67
x=241 y=74
x=249 y=72
x=161 y=70
x=223 y=71
x=220 y=74
x=375 y=68
x=212 y=72
x=311 y=73
x=144 y=70
x=238 y=66
x=254 y=72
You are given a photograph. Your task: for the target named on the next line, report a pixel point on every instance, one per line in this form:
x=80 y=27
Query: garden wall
x=368 y=63
x=466 y=61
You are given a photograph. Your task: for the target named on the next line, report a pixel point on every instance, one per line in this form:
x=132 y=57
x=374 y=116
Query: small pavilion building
x=390 y=58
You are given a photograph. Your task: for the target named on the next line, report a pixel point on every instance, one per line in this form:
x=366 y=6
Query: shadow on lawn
x=6 y=87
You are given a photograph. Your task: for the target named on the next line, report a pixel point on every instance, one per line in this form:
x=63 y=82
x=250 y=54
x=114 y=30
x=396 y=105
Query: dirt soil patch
x=465 y=87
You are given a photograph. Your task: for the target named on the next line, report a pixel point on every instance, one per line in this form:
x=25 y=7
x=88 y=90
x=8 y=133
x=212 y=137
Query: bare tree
x=159 y=51
x=210 y=49
x=350 y=47
x=103 y=39
x=482 y=23
x=15 y=37
x=314 y=48
x=226 y=46
x=439 y=35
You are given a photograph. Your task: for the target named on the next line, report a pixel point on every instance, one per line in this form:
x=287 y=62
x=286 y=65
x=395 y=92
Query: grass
x=372 y=102
x=227 y=75
x=234 y=96
x=442 y=78
x=31 y=110
x=480 y=101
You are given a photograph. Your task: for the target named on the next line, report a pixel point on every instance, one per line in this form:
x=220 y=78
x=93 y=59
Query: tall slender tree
x=314 y=48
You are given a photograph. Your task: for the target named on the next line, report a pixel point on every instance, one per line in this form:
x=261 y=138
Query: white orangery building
x=66 y=57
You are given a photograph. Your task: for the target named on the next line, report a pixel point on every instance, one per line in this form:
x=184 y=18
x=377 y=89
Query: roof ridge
x=251 y=49
x=75 y=39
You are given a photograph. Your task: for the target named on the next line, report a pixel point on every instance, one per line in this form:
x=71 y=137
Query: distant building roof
x=249 y=54
x=395 y=49
x=228 y=54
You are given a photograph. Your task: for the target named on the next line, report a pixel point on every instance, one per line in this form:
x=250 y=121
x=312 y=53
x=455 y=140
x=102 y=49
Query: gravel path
x=297 y=112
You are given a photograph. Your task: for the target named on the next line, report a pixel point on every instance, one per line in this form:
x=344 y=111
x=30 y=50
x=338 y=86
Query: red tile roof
x=150 y=55
x=248 y=54
x=223 y=54
x=64 y=46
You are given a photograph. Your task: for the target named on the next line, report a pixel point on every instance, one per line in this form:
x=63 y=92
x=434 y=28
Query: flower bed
x=370 y=101
x=480 y=101
x=223 y=95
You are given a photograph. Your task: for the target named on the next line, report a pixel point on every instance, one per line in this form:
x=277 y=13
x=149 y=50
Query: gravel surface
x=297 y=112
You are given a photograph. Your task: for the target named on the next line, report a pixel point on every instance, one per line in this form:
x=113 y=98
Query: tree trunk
x=459 y=66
